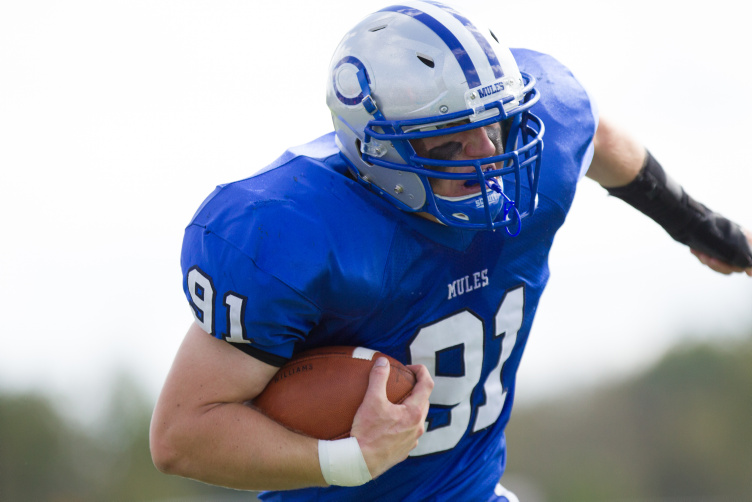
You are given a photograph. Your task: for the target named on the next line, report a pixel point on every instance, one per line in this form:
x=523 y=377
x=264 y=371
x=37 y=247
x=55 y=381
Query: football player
x=421 y=228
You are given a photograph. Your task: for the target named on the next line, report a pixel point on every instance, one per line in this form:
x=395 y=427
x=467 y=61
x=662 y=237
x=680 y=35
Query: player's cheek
x=442 y=187
x=494 y=135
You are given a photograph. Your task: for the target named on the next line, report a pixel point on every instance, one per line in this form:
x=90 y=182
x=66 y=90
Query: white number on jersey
x=202 y=292
x=464 y=330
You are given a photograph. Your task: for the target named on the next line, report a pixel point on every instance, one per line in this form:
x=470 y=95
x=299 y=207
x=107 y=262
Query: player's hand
x=720 y=266
x=387 y=432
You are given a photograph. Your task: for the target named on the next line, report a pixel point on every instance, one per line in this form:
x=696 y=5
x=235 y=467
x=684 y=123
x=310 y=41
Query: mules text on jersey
x=463 y=285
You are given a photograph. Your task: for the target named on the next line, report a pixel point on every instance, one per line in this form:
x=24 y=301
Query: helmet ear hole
x=426 y=60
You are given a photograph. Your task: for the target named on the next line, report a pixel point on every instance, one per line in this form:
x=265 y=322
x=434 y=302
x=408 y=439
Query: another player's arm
x=623 y=166
x=203 y=429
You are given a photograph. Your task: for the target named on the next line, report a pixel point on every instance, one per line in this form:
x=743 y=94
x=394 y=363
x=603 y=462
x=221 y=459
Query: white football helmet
x=417 y=70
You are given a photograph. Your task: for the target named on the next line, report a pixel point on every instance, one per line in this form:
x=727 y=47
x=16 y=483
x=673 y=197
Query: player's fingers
x=377 y=380
x=423 y=386
x=715 y=264
x=722 y=268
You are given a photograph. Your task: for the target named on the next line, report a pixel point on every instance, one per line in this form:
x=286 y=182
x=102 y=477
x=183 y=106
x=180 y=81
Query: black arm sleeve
x=656 y=195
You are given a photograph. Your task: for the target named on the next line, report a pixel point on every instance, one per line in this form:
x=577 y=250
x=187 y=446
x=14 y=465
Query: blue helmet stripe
x=490 y=54
x=454 y=45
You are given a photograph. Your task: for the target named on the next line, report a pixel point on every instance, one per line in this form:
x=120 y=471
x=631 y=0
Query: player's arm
x=203 y=429
x=623 y=166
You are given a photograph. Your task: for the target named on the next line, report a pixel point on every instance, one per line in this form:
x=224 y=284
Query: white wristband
x=342 y=462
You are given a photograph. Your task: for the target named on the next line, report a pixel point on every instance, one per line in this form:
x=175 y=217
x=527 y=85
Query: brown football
x=318 y=391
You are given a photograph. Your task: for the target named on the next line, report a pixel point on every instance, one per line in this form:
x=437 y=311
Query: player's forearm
x=234 y=446
x=662 y=199
x=623 y=166
x=202 y=430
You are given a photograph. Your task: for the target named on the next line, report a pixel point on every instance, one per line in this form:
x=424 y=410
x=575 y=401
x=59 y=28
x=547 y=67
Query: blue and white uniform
x=300 y=256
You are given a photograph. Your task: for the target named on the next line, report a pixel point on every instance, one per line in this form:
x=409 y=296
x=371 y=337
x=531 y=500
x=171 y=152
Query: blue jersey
x=300 y=256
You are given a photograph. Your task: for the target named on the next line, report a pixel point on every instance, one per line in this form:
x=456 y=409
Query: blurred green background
x=679 y=431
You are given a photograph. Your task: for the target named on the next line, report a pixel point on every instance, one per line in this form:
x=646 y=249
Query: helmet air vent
x=377 y=28
x=428 y=61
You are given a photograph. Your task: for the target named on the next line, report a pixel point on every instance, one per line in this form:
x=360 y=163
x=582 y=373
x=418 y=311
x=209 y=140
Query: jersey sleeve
x=234 y=300
x=571 y=118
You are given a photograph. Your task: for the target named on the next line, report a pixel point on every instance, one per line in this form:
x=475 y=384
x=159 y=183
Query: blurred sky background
x=118 y=117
